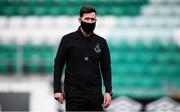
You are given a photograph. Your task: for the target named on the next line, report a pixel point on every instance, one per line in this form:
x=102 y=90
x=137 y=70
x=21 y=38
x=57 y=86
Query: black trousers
x=88 y=103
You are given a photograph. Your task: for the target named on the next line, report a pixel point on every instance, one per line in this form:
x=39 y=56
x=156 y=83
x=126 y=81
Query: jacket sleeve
x=59 y=63
x=105 y=64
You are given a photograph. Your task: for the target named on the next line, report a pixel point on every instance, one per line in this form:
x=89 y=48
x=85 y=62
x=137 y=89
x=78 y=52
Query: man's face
x=88 y=17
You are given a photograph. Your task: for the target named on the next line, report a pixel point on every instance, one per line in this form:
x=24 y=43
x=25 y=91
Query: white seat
x=32 y=21
x=164 y=1
x=160 y=9
x=46 y=21
x=3 y=22
x=16 y=21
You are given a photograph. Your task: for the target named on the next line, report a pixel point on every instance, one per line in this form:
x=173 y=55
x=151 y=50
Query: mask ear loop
x=79 y=19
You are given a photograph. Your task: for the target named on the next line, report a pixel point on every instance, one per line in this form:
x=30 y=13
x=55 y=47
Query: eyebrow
x=89 y=18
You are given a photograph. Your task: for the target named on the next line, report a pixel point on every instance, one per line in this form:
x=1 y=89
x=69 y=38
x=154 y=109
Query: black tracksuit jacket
x=86 y=59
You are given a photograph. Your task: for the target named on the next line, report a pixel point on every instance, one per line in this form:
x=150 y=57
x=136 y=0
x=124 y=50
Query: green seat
x=4 y=68
x=151 y=82
x=47 y=54
x=156 y=46
x=176 y=57
x=120 y=69
x=48 y=68
x=9 y=10
x=140 y=46
x=131 y=57
x=103 y=10
x=68 y=7
x=177 y=70
x=2 y=2
x=117 y=11
x=32 y=68
x=24 y=10
x=145 y=57
x=71 y=11
x=172 y=70
x=39 y=10
x=12 y=55
x=8 y=58
x=38 y=58
x=164 y=57
x=31 y=58
x=172 y=46
x=3 y=59
x=55 y=11
x=157 y=70
x=115 y=57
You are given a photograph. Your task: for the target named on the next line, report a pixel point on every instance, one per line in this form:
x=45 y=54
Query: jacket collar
x=81 y=34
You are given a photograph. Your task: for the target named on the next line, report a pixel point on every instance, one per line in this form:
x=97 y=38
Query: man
x=86 y=56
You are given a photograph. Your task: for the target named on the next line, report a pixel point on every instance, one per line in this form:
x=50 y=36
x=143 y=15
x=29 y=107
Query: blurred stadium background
x=143 y=37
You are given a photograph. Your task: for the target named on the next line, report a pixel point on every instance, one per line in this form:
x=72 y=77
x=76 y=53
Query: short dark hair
x=86 y=9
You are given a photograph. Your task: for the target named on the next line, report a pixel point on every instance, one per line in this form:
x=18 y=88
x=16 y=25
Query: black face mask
x=88 y=27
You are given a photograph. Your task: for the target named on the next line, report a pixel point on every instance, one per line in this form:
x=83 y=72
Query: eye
x=86 y=19
x=92 y=19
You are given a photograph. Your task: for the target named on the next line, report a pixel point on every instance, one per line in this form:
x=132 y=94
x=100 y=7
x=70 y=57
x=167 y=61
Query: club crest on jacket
x=97 y=49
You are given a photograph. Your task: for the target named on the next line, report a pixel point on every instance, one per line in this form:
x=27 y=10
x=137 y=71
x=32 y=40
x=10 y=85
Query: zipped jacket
x=87 y=59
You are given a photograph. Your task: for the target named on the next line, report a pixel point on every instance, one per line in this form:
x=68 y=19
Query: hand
x=59 y=97
x=107 y=100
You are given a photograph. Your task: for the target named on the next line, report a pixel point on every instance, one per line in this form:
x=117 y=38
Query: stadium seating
x=142 y=66
x=8 y=58
x=61 y=7
x=140 y=34
x=37 y=58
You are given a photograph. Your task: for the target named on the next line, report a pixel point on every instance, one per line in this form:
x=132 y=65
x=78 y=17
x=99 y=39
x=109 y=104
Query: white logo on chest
x=97 y=49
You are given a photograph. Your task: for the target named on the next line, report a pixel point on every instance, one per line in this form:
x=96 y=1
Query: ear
x=79 y=19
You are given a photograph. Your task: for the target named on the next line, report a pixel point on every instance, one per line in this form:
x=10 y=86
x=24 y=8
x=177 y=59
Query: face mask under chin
x=88 y=27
